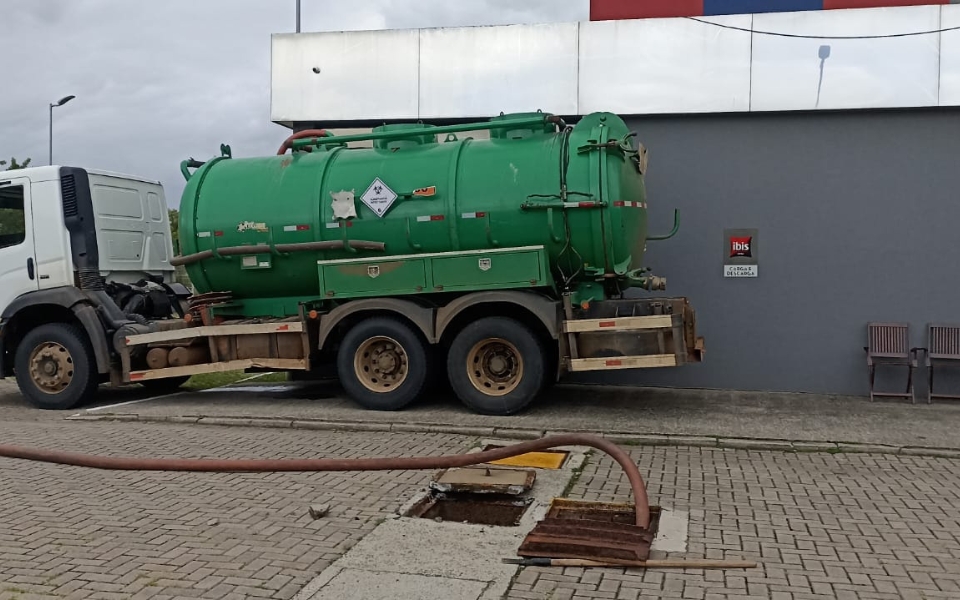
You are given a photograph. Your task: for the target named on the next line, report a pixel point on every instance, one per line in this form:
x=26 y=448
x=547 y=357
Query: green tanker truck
x=499 y=264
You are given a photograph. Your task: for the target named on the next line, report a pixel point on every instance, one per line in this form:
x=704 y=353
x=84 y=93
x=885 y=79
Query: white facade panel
x=950 y=56
x=481 y=71
x=857 y=73
x=362 y=75
x=664 y=66
x=642 y=66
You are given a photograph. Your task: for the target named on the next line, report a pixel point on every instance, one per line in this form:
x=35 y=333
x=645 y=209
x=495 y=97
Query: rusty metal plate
x=563 y=508
x=591 y=531
x=484 y=481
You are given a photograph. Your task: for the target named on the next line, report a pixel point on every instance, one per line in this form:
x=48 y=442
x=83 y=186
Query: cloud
x=159 y=82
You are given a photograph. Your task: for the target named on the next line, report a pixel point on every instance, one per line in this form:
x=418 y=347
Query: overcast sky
x=157 y=82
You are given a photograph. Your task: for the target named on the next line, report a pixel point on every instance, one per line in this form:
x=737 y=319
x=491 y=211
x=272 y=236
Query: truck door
x=18 y=263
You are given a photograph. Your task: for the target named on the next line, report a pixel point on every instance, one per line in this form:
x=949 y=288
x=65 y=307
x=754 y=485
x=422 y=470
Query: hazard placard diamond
x=379 y=197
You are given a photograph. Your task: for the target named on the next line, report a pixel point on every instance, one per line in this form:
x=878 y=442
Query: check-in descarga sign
x=740 y=253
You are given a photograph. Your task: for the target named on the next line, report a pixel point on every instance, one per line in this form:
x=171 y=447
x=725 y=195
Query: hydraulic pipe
x=307 y=133
x=309 y=140
x=189 y=259
x=405 y=463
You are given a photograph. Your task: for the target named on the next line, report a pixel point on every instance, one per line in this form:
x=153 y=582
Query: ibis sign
x=740 y=253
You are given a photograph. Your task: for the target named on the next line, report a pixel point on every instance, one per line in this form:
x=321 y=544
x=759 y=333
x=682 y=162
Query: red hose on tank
x=411 y=463
x=306 y=133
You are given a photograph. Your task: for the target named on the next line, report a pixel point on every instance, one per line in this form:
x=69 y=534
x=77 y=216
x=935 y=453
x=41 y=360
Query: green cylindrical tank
x=577 y=191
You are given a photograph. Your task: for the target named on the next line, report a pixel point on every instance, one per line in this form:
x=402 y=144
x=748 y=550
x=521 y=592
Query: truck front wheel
x=383 y=364
x=496 y=366
x=55 y=367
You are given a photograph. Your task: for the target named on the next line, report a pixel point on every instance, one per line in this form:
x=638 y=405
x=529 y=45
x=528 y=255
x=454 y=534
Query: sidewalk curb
x=516 y=433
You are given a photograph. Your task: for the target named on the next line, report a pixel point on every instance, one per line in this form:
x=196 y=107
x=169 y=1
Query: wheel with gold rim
x=383 y=364
x=55 y=368
x=496 y=366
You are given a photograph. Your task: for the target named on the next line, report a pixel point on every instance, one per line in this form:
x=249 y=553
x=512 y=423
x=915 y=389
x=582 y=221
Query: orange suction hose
x=347 y=464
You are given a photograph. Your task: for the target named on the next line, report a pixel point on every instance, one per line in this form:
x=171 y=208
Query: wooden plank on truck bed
x=284 y=364
x=618 y=324
x=623 y=362
x=214 y=330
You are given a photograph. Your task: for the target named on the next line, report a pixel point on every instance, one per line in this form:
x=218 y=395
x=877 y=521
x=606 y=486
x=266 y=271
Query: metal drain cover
x=484 y=481
x=592 y=531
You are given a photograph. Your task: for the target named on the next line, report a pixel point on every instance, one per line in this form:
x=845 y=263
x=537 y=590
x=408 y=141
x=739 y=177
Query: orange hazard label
x=427 y=191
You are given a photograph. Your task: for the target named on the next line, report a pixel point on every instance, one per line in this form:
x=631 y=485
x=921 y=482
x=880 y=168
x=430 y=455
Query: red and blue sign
x=612 y=10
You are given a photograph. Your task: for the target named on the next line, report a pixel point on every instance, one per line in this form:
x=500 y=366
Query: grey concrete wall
x=858 y=219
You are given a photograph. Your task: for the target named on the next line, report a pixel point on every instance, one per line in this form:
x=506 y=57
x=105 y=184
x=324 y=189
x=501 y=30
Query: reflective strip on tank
x=473 y=215
x=201 y=234
x=339 y=224
x=630 y=204
x=428 y=218
x=296 y=227
x=584 y=204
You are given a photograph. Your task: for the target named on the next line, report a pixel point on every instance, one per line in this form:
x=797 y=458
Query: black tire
x=392 y=394
x=70 y=353
x=530 y=376
x=165 y=386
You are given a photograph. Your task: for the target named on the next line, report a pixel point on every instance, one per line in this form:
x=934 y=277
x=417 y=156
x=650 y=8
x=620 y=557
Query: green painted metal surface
x=472 y=270
x=577 y=192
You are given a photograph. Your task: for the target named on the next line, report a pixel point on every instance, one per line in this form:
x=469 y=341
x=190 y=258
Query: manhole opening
x=495 y=510
x=544 y=459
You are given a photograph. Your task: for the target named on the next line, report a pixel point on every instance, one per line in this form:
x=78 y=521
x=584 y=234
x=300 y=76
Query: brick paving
x=822 y=526
x=71 y=533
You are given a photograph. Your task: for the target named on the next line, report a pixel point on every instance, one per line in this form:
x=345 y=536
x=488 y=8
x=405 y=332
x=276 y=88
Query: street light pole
x=60 y=102
x=298 y=16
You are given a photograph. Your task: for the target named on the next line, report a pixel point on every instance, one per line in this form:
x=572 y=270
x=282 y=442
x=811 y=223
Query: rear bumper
x=633 y=334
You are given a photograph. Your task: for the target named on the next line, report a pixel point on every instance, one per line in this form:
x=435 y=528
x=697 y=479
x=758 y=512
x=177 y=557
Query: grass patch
x=206 y=381
x=575 y=476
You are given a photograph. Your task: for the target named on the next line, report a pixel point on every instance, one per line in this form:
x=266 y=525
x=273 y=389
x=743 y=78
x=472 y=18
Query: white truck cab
x=83 y=254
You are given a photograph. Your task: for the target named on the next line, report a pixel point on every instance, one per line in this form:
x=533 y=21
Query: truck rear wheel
x=55 y=367
x=383 y=364
x=496 y=366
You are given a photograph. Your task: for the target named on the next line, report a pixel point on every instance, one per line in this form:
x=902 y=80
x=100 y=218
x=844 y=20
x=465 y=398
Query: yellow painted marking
x=534 y=460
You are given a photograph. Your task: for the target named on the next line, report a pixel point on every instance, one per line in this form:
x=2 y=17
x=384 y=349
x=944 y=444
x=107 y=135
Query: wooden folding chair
x=889 y=344
x=943 y=349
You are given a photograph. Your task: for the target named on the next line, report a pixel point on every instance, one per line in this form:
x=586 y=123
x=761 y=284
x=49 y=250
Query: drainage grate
x=591 y=530
x=469 y=508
